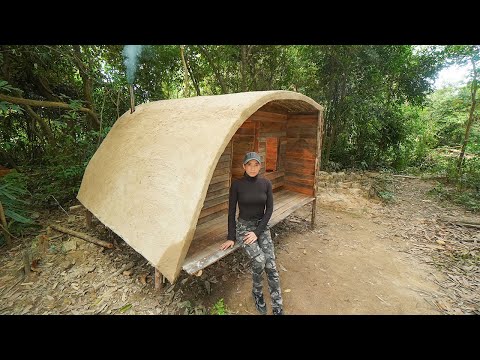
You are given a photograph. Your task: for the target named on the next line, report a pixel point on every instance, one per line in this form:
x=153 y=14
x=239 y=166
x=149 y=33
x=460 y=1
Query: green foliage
x=15 y=199
x=219 y=308
x=468 y=198
x=192 y=309
x=377 y=113
x=383 y=187
x=61 y=172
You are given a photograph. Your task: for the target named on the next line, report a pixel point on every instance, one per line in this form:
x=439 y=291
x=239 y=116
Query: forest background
x=382 y=111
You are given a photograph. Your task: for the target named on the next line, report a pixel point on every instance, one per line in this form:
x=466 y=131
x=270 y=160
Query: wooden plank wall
x=301 y=150
x=296 y=157
x=216 y=201
x=271 y=125
x=243 y=142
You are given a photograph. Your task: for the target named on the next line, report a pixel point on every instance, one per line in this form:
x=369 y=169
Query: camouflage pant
x=262 y=256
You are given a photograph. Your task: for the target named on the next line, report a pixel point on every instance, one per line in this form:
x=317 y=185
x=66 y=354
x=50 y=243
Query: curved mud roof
x=148 y=179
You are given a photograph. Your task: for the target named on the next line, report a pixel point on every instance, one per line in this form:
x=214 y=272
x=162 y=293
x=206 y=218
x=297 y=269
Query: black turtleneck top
x=255 y=202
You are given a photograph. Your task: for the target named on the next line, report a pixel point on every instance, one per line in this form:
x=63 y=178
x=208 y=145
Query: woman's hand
x=227 y=244
x=250 y=237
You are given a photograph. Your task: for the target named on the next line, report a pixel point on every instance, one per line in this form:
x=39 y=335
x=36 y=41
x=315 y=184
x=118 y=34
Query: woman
x=255 y=201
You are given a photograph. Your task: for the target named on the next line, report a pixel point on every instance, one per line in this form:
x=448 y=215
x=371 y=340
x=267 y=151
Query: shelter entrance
x=287 y=142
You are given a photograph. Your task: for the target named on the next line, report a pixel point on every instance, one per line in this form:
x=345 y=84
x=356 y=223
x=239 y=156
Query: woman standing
x=255 y=201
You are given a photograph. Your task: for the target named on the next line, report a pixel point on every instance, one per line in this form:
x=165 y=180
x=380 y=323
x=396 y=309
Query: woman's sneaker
x=277 y=311
x=260 y=303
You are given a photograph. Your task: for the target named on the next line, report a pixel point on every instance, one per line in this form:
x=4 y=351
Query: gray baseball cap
x=251 y=156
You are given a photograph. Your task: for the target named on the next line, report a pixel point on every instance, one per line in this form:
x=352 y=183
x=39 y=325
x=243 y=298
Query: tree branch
x=39 y=103
x=47 y=132
x=215 y=69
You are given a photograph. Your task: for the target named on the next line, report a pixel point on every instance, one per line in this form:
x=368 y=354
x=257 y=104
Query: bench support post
x=318 y=158
x=159 y=280
x=88 y=219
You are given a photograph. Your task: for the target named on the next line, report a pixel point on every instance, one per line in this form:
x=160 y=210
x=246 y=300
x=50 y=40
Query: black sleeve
x=268 y=210
x=232 y=209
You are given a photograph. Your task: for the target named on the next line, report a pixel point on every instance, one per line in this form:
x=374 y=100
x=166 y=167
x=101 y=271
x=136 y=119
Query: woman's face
x=252 y=168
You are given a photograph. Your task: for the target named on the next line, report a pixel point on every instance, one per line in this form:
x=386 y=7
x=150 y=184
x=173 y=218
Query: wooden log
x=406 y=176
x=83 y=236
x=461 y=222
x=6 y=234
x=88 y=219
x=158 y=280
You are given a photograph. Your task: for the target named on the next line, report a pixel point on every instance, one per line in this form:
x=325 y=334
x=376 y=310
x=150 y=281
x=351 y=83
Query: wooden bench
x=204 y=249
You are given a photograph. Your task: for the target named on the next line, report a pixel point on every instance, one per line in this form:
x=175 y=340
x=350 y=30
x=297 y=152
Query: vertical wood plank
x=317 y=168
x=231 y=162
x=255 y=136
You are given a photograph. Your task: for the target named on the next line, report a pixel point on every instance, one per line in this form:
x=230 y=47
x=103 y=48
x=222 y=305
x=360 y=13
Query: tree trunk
x=471 y=117
x=194 y=80
x=42 y=86
x=243 y=66
x=47 y=132
x=217 y=73
x=185 y=71
x=87 y=87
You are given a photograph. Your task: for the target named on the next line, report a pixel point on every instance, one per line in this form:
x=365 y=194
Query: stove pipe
x=132 y=99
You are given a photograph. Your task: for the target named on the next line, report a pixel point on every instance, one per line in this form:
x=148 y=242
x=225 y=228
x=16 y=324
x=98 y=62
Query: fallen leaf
x=125 y=308
x=287 y=290
x=199 y=272
x=185 y=304
x=143 y=279
x=282 y=267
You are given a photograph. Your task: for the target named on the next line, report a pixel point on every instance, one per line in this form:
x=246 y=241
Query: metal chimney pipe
x=132 y=99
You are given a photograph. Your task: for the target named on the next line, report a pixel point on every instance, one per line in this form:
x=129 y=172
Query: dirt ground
x=363 y=257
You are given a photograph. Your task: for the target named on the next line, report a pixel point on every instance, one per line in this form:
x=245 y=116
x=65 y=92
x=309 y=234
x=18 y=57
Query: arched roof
x=148 y=179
